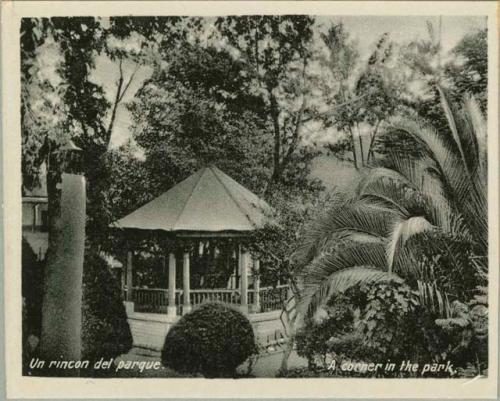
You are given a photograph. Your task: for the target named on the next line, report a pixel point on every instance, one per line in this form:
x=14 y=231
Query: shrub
x=368 y=323
x=105 y=330
x=32 y=280
x=213 y=340
x=314 y=339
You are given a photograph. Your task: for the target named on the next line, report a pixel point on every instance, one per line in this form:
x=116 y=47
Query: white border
x=28 y=387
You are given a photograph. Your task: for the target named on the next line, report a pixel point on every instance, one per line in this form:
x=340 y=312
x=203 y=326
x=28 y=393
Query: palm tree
x=437 y=202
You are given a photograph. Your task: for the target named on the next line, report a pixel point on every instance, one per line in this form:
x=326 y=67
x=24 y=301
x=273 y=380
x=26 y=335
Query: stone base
x=129 y=307
x=149 y=329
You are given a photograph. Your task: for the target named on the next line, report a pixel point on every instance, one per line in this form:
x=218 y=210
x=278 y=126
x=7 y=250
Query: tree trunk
x=355 y=156
x=361 y=150
x=286 y=355
x=277 y=139
x=372 y=142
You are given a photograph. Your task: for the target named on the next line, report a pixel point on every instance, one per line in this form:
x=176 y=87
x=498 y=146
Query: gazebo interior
x=199 y=227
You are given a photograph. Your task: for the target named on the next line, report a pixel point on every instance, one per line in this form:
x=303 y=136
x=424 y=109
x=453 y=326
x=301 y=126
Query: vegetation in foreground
x=399 y=270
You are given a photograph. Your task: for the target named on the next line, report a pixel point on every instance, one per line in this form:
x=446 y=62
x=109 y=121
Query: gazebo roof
x=208 y=201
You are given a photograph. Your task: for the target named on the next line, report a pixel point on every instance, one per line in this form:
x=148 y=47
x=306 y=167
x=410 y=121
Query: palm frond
x=390 y=188
x=316 y=296
x=467 y=197
x=402 y=232
x=318 y=272
x=453 y=121
x=478 y=123
x=358 y=221
x=346 y=256
x=433 y=299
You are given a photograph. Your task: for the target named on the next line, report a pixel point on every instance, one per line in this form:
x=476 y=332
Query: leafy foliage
x=470 y=73
x=425 y=220
x=105 y=330
x=363 y=95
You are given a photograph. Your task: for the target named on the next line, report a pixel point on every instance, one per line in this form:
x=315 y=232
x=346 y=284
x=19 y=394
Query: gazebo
x=208 y=205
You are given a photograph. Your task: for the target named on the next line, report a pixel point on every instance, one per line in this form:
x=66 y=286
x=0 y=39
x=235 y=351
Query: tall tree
x=362 y=96
x=275 y=52
x=191 y=113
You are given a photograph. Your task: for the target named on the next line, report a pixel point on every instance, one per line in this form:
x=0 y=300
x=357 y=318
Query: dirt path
x=267 y=364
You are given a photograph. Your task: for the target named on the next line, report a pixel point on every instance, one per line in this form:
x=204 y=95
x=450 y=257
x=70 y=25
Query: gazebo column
x=186 y=308
x=172 y=307
x=130 y=258
x=123 y=279
x=244 y=256
x=129 y=301
x=256 y=286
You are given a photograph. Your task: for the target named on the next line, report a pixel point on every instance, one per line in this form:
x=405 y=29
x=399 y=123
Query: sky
x=366 y=30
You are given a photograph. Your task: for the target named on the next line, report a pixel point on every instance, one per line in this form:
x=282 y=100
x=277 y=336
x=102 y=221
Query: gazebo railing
x=155 y=300
x=273 y=298
x=228 y=296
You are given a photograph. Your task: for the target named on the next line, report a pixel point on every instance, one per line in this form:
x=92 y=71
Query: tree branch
x=121 y=90
x=298 y=120
x=330 y=112
x=129 y=82
x=119 y=85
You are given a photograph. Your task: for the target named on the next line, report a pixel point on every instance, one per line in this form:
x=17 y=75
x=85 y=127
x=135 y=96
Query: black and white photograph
x=254 y=195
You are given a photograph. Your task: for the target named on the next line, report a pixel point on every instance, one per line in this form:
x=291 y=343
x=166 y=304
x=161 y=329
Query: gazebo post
x=123 y=276
x=171 y=308
x=244 y=280
x=130 y=257
x=256 y=286
x=186 y=307
x=234 y=276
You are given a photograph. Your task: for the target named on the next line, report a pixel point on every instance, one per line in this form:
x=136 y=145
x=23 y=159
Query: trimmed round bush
x=214 y=339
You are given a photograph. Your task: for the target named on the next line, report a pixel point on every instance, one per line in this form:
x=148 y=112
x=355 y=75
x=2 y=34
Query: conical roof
x=207 y=201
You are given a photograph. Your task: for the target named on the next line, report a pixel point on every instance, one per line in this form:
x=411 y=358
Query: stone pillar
x=62 y=299
x=172 y=308
x=244 y=281
x=256 y=286
x=186 y=308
